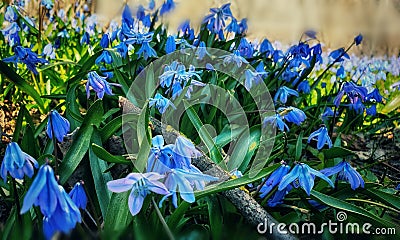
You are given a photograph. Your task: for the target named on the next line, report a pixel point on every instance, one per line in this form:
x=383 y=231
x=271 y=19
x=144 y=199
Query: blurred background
x=336 y=21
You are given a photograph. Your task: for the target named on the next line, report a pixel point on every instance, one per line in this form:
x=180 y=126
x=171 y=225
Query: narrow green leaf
x=299 y=146
x=16 y=79
x=348 y=207
x=100 y=178
x=118 y=216
x=205 y=136
x=337 y=152
x=390 y=199
x=110 y=128
x=106 y=156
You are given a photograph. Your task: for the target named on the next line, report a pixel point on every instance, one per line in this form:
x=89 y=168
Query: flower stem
x=17 y=203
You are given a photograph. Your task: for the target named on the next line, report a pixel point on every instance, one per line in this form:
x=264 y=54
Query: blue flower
x=85 y=39
x=140 y=184
x=147 y=51
x=276 y=120
x=11 y=34
x=278 y=197
x=233 y=26
x=60 y=212
x=353 y=92
x=58 y=125
x=339 y=54
x=371 y=110
x=283 y=93
x=127 y=18
x=25 y=55
x=346 y=173
x=302 y=175
x=304 y=87
x=292 y=114
x=266 y=48
x=341 y=73
x=161 y=158
x=184 y=181
x=251 y=78
x=17 y=163
x=122 y=49
x=234 y=58
x=64 y=218
x=374 y=96
x=105 y=57
x=327 y=114
x=216 y=19
x=105 y=41
x=170 y=46
x=322 y=138
x=274 y=179
x=201 y=51
x=48 y=4
x=243 y=26
x=311 y=34
x=78 y=195
x=161 y=103
x=10 y=14
x=49 y=51
x=358 y=39
x=245 y=49
x=99 y=85
x=167 y=6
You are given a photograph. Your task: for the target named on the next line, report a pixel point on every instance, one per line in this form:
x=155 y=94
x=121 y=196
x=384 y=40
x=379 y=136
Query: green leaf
x=72 y=113
x=16 y=79
x=337 y=152
x=254 y=144
x=118 y=216
x=390 y=199
x=110 y=128
x=299 y=146
x=392 y=105
x=18 y=124
x=205 y=136
x=215 y=215
x=348 y=207
x=100 y=178
x=81 y=142
x=106 y=156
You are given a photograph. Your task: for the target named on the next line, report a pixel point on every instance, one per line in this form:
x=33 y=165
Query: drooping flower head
x=216 y=19
x=58 y=125
x=274 y=179
x=99 y=85
x=185 y=181
x=322 y=137
x=140 y=184
x=59 y=211
x=78 y=195
x=292 y=114
x=277 y=121
x=346 y=173
x=302 y=175
x=17 y=163
x=353 y=92
x=161 y=103
x=26 y=56
x=283 y=93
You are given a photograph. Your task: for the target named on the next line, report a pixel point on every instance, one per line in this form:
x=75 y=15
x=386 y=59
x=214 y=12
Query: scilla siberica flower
x=78 y=195
x=10 y=15
x=11 y=34
x=277 y=121
x=25 y=55
x=345 y=172
x=353 y=92
x=217 y=17
x=274 y=179
x=48 y=4
x=251 y=78
x=167 y=6
x=99 y=85
x=292 y=114
x=322 y=137
x=17 y=163
x=358 y=39
x=58 y=125
x=59 y=211
x=302 y=175
x=170 y=46
x=140 y=184
x=161 y=103
x=304 y=87
x=234 y=58
x=283 y=93
x=185 y=181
